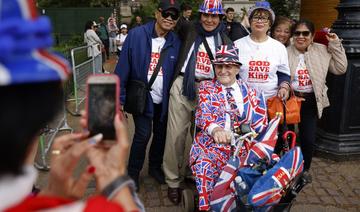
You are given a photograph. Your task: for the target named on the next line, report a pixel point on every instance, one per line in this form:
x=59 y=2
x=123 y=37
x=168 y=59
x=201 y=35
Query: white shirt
x=260 y=62
x=14 y=189
x=157 y=87
x=302 y=81
x=203 y=67
x=237 y=94
x=120 y=38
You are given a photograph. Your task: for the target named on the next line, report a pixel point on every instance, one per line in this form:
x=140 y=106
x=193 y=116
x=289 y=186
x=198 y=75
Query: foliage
x=147 y=11
x=65 y=47
x=287 y=8
x=75 y=3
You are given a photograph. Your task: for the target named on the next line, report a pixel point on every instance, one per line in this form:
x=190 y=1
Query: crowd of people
x=275 y=55
x=209 y=76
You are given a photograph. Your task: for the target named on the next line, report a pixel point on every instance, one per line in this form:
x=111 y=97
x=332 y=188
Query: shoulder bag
x=136 y=90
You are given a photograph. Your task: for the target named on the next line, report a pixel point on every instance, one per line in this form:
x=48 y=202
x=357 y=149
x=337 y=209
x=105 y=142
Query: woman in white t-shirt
x=309 y=64
x=120 y=38
x=265 y=62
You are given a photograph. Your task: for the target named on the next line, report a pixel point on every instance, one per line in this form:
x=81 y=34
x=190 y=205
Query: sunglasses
x=165 y=14
x=303 y=33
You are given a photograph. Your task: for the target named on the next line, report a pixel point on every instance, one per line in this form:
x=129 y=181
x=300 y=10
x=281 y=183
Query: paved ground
x=335 y=186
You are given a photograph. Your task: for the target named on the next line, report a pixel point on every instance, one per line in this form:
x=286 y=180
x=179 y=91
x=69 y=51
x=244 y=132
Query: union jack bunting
x=264 y=148
x=212 y=7
x=268 y=189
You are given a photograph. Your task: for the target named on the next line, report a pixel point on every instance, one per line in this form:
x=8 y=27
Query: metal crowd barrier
x=48 y=135
x=80 y=73
x=74 y=91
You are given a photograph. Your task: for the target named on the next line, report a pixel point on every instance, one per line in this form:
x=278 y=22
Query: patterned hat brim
x=218 y=62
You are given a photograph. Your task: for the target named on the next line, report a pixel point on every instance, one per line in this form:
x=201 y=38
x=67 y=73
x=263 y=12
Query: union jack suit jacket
x=212 y=109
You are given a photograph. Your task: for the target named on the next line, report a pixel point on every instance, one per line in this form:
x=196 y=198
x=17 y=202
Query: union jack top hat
x=24 y=38
x=212 y=7
x=227 y=54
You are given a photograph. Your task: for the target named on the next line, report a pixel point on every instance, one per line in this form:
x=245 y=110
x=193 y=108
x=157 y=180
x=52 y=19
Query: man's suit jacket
x=212 y=109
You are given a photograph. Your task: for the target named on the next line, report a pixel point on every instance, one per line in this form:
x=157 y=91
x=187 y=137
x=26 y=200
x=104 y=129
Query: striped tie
x=233 y=107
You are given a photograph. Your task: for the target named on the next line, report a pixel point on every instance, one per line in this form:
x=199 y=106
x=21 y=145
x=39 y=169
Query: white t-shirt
x=157 y=87
x=120 y=38
x=260 y=62
x=203 y=67
x=302 y=81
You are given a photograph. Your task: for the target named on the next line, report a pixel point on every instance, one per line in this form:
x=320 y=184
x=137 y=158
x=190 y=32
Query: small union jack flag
x=223 y=197
x=264 y=148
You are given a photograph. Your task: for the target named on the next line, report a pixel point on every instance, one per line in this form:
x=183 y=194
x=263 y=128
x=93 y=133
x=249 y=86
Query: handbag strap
x=157 y=68
x=208 y=50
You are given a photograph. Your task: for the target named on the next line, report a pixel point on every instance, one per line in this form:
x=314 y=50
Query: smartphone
x=102 y=104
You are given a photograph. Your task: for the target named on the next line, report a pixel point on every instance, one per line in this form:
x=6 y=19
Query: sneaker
x=158 y=175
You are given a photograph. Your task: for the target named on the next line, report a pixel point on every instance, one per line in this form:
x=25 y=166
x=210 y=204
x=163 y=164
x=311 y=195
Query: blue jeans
x=144 y=126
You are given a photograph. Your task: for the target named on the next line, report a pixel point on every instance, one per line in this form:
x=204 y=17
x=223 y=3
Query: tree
x=287 y=8
x=73 y=3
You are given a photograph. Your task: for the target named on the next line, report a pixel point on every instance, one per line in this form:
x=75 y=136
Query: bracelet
x=120 y=182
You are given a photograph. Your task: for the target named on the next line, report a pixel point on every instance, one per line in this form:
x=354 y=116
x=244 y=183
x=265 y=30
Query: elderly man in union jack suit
x=224 y=104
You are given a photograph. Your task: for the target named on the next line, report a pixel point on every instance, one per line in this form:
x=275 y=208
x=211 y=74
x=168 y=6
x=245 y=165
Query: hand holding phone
x=102 y=104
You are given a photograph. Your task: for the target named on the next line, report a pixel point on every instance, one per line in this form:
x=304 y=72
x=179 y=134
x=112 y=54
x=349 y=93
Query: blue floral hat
x=212 y=7
x=262 y=5
x=24 y=38
x=227 y=54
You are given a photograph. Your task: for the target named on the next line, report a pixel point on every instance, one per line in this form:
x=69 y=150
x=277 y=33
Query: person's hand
x=221 y=136
x=332 y=37
x=65 y=155
x=283 y=93
x=110 y=163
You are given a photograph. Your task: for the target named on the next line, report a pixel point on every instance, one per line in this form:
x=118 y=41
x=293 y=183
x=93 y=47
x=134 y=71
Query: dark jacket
x=135 y=59
x=235 y=30
x=181 y=25
x=188 y=36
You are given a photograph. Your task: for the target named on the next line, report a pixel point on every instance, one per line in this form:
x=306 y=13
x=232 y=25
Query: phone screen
x=101 y=109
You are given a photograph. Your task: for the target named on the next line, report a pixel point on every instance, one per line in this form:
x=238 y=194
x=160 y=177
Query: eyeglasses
x=261 y=19
x=165 y=14
x=303 y=33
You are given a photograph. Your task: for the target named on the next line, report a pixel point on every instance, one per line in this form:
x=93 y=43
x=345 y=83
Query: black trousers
x=144 y=126
x=307 y=129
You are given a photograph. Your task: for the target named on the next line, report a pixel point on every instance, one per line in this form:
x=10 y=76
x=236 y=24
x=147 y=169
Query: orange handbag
x=292 y=107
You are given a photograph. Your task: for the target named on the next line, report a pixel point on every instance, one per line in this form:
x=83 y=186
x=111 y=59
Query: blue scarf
x=189 y=78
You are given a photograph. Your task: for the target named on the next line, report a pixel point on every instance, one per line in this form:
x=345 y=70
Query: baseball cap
x=123 y=26
x=168 y=4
